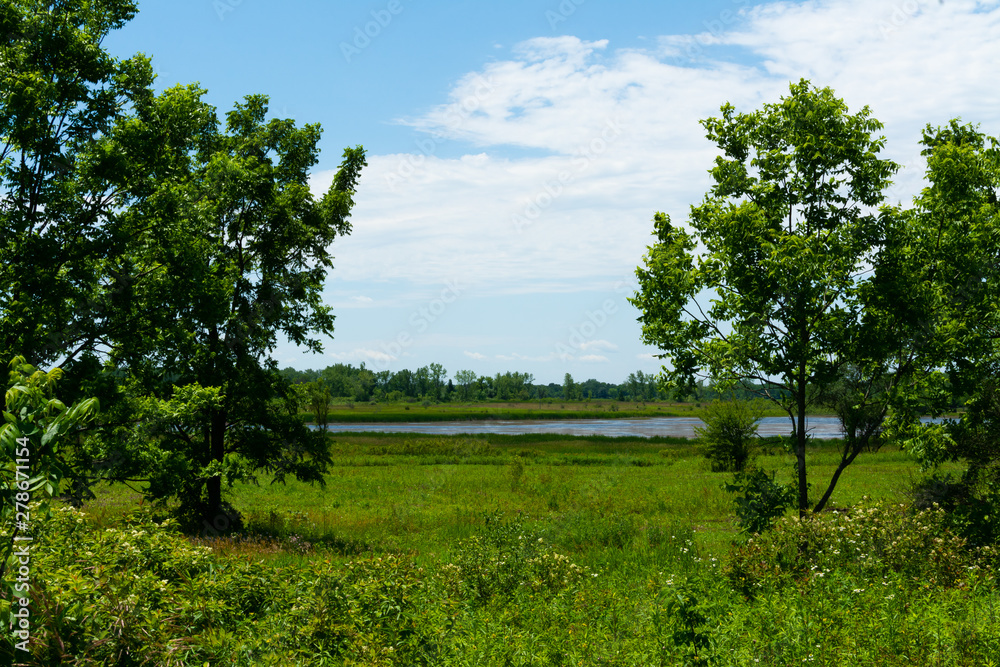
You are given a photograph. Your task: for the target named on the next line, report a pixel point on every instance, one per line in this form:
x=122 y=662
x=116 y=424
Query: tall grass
x=520 y=550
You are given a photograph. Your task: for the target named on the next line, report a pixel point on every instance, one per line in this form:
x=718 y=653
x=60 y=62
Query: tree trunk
x=217 y=434
x=800 y=445
x=833 y=482
x=214 y=484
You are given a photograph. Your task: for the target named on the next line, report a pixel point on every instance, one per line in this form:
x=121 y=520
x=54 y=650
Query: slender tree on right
x=774 y=288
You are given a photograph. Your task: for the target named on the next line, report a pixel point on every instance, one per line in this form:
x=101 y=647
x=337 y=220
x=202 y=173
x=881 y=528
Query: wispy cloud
x=913 y=63
x=526 y=137
x=362 y=354
x=598 y=345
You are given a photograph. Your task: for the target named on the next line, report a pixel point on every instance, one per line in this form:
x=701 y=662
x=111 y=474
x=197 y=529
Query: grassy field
x=418 y=494
x=594 y=409
x=528 y=550
x=546 y=409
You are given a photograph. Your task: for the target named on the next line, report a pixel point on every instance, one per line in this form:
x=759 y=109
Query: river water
x=818 y=427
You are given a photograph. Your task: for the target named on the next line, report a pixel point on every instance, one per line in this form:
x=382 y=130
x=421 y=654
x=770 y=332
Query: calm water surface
x=819 y=427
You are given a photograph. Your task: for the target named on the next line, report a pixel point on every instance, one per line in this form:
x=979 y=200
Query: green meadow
x=351 y=412
x=419 y=494
x=523 y=550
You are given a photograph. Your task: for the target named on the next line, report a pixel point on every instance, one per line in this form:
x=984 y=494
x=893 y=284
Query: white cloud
x=362 y=354
x=362 y=299
x=598 y=345
x=594 y=358
x=615 y=136
x=521 y=357
x=475 y=355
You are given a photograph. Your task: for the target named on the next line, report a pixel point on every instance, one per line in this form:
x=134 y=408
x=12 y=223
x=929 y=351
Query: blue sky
x=518 y=150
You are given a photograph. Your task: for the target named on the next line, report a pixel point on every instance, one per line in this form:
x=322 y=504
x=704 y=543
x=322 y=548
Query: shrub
x=972 y=512
x=504 y=558
x=868 y=543
x=136 y=593
x=729 y=433
x=372 y=611
x=976 y=437
x=759 y=499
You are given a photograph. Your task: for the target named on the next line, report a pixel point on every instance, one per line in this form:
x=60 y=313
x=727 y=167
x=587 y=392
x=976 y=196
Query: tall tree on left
x=59 y=93
x=233 y=251
x=160 y=253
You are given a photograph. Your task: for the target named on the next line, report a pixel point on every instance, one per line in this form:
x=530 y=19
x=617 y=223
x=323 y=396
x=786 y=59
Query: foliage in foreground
x=140 y=593
x=759 y=499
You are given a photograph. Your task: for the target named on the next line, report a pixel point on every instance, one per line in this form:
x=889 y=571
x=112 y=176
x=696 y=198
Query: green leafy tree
x=234 y=250
x=508 y=386
x=363 y=384
x=571 y=390
x=951 y=240
x=150 y=248
x=318 y=396
x=339 y=379
x=932 y=309
x=465 y=380
x=770 y=290
x=422 y=379
x=640 y=386
x=61 y=193
x=403 y=381
x=976 y=439
x=437 y=375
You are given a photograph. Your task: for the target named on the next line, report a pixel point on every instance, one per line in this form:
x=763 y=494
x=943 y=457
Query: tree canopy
x=791 y=276
x=158 y=253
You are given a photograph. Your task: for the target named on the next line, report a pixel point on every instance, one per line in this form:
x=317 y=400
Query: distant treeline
x=432 y=383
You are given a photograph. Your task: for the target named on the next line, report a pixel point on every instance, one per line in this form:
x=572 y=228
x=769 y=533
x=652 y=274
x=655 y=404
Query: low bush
x=505 y=558
x=883 y=585
x=759 y=499
x=372 y=611
x=868 y=542
x=133 y=594
x=729 y=433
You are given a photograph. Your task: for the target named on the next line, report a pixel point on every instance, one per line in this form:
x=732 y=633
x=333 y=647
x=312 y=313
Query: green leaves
x=60 y=93
x=768 y=290
x=32 y=466
x=230 y=251
x=148 y=245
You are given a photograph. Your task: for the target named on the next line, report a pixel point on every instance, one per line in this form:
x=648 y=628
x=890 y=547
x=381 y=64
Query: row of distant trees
x=432 y=382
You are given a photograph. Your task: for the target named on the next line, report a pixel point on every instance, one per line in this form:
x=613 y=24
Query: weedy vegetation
x=521 y=550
